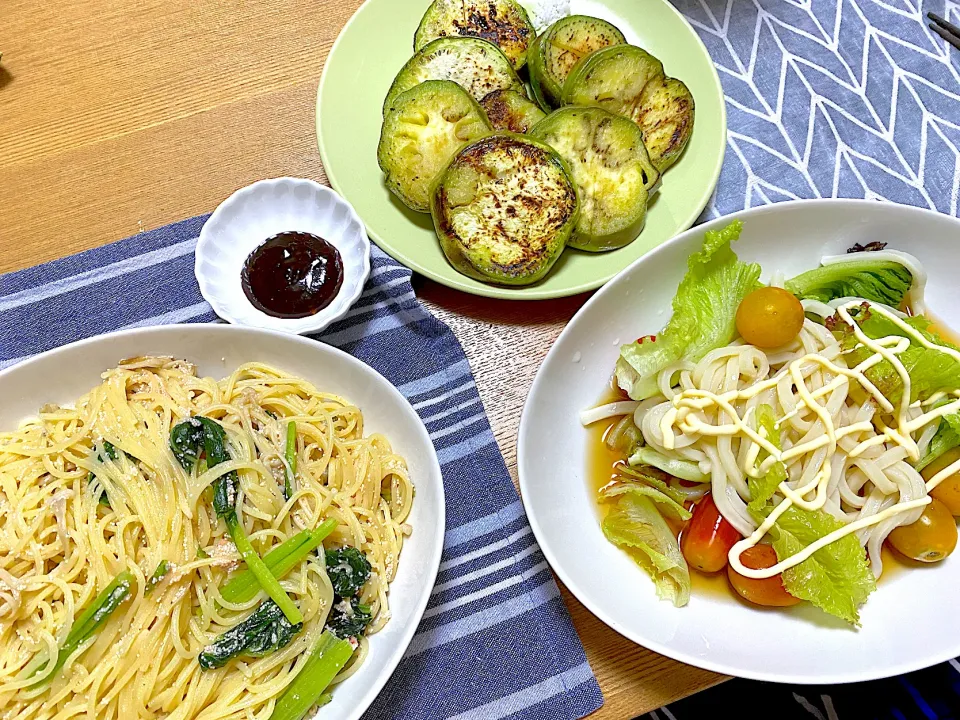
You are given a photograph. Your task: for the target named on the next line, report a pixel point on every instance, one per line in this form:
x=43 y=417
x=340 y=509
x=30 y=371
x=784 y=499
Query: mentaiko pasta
x=119 y=532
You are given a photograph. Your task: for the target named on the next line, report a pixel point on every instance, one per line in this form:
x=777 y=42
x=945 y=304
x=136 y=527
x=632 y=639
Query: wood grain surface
x=119 y=116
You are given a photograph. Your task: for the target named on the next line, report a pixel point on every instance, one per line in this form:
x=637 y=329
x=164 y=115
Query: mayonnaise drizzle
x=682 y=417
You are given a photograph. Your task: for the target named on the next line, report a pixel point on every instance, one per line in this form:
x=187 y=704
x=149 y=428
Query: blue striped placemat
x=496 y=640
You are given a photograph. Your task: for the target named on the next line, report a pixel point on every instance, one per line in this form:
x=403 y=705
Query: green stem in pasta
x=93 y=618
x=308 y=688
x=279 y=561
x=158 y=575
x=186 y=440
x=260 y=571
x=291 y=456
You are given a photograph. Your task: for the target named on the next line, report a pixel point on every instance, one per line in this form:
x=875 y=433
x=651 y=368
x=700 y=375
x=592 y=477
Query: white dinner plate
x=65 y=374
x=910 y=622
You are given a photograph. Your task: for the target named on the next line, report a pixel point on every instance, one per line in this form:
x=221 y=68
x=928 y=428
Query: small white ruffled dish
x=250 y=216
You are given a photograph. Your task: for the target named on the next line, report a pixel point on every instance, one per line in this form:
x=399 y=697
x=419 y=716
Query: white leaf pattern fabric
x=834 y=98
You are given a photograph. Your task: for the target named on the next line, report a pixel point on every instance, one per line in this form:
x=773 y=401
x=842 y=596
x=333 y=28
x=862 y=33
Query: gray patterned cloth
x=834 y=98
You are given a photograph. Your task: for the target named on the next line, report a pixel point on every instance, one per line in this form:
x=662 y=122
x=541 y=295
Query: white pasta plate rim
x=66 y=373
x=716 y=632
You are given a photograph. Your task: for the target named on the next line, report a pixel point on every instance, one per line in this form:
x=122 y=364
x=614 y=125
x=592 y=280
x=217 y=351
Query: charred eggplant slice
x=512 y=111
x=613 y=78
x=562 y=46
x=476 y=65
x=423 y=130
x=666 y=118
x=502 y=22
x=505 y=208
x=609 y=163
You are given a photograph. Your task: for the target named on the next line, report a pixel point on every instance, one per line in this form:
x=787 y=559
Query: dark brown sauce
x=601 y=462
x=292 y=275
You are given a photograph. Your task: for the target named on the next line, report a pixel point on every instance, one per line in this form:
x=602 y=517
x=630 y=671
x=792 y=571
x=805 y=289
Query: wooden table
x=119 y=117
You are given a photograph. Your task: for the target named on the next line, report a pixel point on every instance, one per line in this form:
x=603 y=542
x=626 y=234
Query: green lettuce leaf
x=683 y=469
x=634 y=523
x=670 y=505
x=930 y=370
x=836 y=578
x=882 y=281
x=947 y=438
x=762 y=489
x=704 y=313
x=654 y=477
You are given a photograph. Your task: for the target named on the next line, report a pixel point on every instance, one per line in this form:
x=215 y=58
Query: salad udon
x=786 y=432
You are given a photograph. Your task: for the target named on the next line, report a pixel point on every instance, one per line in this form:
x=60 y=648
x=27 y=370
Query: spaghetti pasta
x=93 y=491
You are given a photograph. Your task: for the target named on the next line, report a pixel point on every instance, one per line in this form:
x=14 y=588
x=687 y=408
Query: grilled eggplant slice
x=666 y=118
x=503 y=22
x=613 y=78
x=476 y=65
x=609 y=163
x=423 y=130
x=512 y=111
x=562 y=46
x=505 y=208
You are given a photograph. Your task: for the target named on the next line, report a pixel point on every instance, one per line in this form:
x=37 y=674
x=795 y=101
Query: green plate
x=375 y=44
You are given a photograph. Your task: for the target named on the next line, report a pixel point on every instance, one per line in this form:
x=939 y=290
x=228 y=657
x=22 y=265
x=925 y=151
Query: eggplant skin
x=505 y=208
x=476 y=65
x=502 y=22
x=512 y=111
x=535 y=61
x=421 y=133
x=666 y=118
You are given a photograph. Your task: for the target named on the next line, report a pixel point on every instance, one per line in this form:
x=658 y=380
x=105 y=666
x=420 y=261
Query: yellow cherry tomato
x=770 y=591
x=769 y=317
x=931 y=538
x=948 y=490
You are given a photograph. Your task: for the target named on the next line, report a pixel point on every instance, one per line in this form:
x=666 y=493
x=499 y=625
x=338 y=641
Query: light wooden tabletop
x=121 y=117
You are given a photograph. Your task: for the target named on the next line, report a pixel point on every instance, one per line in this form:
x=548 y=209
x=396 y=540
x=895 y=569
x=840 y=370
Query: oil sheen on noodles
x=836 y=459
x=59 y=547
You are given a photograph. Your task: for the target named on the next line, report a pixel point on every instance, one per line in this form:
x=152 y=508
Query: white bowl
x=63 y=375
x=906 y=623
x=259 y=211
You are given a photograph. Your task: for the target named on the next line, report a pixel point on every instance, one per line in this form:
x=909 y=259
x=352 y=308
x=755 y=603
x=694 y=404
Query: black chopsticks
x=947 y=30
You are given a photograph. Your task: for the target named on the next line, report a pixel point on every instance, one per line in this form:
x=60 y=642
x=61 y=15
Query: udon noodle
x=846 y=448
x=60 y=545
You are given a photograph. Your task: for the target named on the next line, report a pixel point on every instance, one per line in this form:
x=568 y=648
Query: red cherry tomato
x=707 y=538
x=767 y=591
